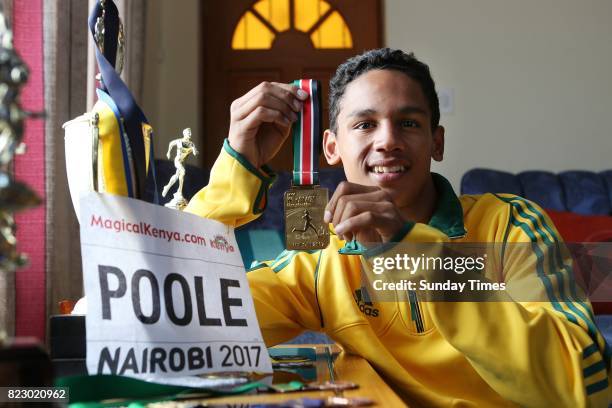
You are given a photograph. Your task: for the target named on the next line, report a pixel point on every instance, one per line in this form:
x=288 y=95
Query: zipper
x=415 y=312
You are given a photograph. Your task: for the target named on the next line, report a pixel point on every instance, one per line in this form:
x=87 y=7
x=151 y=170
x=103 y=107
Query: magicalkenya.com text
x=146 y=229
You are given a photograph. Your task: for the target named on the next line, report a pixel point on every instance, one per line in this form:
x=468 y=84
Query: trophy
x=184 y=147
x=14 y=195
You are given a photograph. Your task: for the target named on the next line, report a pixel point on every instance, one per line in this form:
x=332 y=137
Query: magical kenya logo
x=221 y=244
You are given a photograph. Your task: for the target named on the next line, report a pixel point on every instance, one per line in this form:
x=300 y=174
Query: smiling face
x=384 y=136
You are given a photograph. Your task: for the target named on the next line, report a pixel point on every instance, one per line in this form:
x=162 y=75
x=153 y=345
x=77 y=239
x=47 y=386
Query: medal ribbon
x=306 y=133
x=134 y=119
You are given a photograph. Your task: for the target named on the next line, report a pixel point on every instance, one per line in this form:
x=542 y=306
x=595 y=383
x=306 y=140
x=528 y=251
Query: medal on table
x=305 y=201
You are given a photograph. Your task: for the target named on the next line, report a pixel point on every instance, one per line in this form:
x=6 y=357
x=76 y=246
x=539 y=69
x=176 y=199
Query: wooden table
x=346 y=367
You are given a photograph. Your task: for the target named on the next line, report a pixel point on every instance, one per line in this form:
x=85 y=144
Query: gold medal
x=304 y=225
x=305 y=201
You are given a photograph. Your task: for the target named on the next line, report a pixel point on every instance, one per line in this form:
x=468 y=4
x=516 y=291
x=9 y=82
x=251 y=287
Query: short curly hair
x=382 y=58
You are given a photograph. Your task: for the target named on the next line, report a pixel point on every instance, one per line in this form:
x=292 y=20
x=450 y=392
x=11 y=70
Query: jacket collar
x=448 y=215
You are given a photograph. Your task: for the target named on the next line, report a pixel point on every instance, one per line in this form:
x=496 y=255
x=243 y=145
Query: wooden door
x=246 y=42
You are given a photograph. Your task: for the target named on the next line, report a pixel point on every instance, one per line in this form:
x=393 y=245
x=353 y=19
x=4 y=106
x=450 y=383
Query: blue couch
x=581 y=192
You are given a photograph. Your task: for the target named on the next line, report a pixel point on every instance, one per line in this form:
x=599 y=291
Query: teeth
x=391 y=169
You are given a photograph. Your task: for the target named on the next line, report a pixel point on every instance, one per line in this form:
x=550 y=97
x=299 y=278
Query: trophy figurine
x=14 y=195
x=184 y=147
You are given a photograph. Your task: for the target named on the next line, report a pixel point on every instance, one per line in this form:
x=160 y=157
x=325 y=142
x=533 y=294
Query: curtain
x=65 y=53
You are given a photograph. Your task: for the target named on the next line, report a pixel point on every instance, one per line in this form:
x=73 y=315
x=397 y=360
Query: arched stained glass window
x=266 y=19
x=308 y=12
x=276 y=12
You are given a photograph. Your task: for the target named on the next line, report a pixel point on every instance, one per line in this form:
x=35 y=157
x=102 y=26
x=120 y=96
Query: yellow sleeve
x=533 y=353
x=236 y=193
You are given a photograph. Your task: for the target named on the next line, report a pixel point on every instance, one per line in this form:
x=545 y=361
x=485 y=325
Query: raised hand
x=260 y=120
x=366 y=213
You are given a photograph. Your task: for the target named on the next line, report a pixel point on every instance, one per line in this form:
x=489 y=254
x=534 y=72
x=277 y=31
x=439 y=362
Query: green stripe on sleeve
x=590 y=350
x=257 y=265
x=598 y=386
x=539 y=259
x=266 y=179
x=282 y=257
x=594 y=368
x=278 y=266
x=557 y=271
x=283 y=264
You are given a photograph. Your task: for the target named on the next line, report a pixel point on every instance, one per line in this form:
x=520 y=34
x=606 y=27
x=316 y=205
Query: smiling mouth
x=388 y=169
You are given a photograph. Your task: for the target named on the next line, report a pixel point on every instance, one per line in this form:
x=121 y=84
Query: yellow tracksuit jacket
x=460 y=354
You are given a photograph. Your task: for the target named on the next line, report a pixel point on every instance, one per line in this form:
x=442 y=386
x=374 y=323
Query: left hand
x=366 y=213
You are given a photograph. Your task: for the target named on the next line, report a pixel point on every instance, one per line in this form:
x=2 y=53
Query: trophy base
x=178 y=202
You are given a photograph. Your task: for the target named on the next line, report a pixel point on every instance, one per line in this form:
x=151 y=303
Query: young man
x=384 y=129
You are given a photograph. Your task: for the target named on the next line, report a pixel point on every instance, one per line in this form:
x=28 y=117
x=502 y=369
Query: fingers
x=345 y=189
x=364 y=212
x=284 y=97
x=267 y=101
x=265 y=115
x=354 y=207
x=368 y=220
x=349 y=204
x=262 y=87
x=295 y=92
x=260 y=120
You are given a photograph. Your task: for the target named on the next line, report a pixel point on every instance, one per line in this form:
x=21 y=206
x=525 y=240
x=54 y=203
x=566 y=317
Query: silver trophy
x=14 y=195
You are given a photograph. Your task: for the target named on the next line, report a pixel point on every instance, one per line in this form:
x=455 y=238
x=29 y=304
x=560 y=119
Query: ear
x=437 y=152
x=330 y=147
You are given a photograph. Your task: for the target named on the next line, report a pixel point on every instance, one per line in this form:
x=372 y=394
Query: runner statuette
x=305 y=201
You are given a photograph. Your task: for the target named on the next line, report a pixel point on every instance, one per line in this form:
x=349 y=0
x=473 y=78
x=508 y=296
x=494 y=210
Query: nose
x=387 y=138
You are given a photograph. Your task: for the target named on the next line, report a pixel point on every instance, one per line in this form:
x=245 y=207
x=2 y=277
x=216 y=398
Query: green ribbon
x=88 y=391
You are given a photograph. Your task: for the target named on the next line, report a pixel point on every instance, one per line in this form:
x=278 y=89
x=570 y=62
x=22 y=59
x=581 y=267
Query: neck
x=423 y=207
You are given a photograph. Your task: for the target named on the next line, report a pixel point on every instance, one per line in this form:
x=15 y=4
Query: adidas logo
x=362 y=299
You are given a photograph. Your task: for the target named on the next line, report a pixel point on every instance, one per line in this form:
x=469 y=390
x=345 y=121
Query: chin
x=401 y=197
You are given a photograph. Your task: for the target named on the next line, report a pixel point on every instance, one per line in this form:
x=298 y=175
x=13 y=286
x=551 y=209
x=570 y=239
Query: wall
x=531 y=79
x=171 y=84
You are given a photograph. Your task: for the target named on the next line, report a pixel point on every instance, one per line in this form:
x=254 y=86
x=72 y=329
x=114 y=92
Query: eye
x=410 y=123
x=364 y=125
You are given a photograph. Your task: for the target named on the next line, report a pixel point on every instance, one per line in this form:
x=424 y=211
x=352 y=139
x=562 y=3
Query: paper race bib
x=167 y=293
